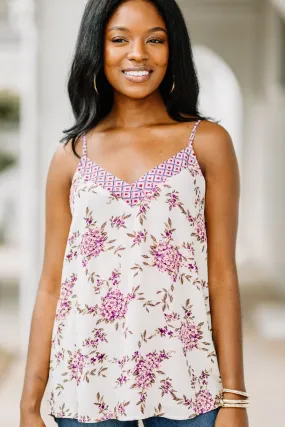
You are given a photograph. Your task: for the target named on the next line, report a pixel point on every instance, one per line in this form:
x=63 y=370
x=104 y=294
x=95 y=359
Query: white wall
x=228 y=28
x=10 y=74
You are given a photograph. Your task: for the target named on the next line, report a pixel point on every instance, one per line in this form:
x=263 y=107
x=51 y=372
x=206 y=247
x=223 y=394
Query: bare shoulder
x=214 y=129
x=213 y=145
x=213 y=135
x=64 y=162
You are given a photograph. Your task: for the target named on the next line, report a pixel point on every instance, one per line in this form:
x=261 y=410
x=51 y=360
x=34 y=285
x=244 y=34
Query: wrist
x=233 y=410
x=234 y=383
x=234 y=398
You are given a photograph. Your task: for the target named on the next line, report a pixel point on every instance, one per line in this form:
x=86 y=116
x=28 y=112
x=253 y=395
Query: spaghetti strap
x=84 y=146
x=193 y=133
x=83 y=160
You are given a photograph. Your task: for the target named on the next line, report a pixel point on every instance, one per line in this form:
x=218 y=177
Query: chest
x=130 y=157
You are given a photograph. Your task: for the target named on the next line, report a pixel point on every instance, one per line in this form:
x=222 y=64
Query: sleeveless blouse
x=132 y=336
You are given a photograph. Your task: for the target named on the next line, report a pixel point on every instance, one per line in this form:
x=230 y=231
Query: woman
x=140 y=239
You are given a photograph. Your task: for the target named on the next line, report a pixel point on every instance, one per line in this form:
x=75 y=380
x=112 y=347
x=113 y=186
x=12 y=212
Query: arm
x=221 y=212
x=222 y=198
x=58 y=220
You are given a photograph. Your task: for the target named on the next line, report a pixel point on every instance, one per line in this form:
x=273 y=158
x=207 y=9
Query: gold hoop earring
x=95 y=86
x=173 y=86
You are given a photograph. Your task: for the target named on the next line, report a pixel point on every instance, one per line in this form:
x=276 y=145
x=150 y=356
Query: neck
x=131 y=113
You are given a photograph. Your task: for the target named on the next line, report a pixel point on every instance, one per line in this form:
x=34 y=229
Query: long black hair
x=88 y=107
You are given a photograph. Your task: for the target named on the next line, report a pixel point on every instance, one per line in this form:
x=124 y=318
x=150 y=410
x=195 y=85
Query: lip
x=138 y=79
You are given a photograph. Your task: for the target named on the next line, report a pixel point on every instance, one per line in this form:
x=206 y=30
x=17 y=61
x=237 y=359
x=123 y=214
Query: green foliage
x=9 y=107
x=6 y=161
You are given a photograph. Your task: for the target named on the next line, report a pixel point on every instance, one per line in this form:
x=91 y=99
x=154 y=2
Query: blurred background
x=240 y=56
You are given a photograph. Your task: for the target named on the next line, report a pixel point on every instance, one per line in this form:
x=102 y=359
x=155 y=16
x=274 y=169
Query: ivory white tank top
x=132 y=336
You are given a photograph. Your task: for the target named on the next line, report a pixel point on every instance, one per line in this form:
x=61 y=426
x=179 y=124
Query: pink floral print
x=114 y=306
x=190 y=335
x=204 y=401
x=76 y=364
x=65 y=301
x=98 y=336
x=92 y=243
x=167 y=258
x=132 y=332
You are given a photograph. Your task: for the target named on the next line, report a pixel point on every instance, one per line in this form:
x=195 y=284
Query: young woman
x=138 y=314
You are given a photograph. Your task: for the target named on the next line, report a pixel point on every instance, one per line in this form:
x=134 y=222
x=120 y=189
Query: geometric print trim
x=144 y=186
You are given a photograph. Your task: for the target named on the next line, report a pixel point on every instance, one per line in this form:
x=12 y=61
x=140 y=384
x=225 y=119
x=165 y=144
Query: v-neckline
x=143 y=177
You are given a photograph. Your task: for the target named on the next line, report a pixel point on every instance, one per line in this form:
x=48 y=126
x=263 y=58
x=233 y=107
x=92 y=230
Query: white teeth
x=136 y=73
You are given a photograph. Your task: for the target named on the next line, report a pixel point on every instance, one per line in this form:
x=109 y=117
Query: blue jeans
x=203 y=420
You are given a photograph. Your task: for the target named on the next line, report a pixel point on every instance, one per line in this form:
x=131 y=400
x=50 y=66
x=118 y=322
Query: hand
x=232 y=417
x=31 y=420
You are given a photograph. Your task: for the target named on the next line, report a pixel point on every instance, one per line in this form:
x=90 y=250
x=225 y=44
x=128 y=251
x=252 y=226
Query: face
x=136 y=49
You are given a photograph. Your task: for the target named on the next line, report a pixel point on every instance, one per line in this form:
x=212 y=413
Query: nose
x=137 y=51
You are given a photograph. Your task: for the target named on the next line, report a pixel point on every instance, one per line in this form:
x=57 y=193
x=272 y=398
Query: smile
x=137 y=76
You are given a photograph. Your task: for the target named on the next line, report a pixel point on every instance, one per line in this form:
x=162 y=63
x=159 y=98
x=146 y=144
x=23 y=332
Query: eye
x=118 y=40
x=156 y=41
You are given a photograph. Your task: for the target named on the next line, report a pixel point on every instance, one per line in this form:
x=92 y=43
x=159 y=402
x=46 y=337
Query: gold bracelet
x=242 y=393
x=235 y=401
x=231 y=405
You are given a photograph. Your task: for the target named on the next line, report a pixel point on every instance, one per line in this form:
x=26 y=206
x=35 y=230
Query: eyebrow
x=126 y=29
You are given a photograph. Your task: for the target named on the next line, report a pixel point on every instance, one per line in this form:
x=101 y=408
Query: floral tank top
x=132 y=335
